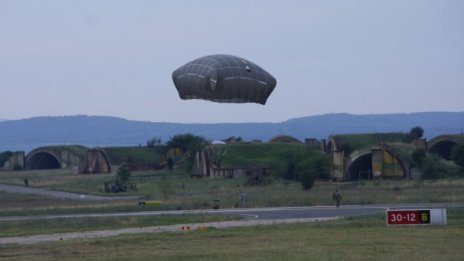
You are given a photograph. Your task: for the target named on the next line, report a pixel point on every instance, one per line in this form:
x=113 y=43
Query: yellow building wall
x=391 y=166
x=385 y=164
x=377 y=163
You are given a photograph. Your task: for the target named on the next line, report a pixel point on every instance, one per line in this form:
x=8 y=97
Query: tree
x=154 y=142
x=320 y=163
x=416 y=132
x=314 y=165
x=188 y=143
x=232 y=139
x=185 y=142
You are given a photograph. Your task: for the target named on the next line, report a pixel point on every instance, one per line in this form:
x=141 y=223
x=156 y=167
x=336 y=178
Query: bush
x=123 y=175
x=457 y=154
x=170 y=163
x=317 y=162
x=322 y=163
x=307 y=178
x=290 y=168
x=434 y=168
x=418 y=157
x=314 y=165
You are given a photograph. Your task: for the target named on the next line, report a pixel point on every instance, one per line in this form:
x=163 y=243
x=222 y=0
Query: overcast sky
x=115 y=58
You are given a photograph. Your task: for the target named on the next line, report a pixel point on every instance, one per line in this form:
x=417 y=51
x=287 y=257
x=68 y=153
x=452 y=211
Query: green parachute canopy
x=223 y=78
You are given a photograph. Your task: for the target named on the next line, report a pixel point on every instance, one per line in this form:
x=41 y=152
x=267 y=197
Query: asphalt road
x=331 y=211
x=253 y=216
x=257 y=216
x=247 y=213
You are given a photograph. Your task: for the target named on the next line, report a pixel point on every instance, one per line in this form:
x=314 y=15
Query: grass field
x=139 y=154
x=182 y=192
x=360 y=141
x=355 y=238
x=63 y=225
x=259 y=154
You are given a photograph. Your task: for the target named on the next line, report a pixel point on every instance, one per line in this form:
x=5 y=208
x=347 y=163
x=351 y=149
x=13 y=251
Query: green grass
x=78 y=149
x=17 y=203
x=355 y=238
x=367 y=140
x=62 y=225
x=58 y=179
x=182 y=192
x=259 y=154
x=139 y=155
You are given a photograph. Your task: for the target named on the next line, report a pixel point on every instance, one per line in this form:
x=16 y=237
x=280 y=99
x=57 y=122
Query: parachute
x=225 y=79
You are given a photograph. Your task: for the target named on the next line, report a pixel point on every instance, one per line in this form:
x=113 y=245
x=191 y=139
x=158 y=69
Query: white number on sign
x=410 y=217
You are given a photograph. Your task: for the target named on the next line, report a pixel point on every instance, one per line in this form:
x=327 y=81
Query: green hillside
x=268 y=154
x=77 y=149
x=139 y=155
x=366 y=140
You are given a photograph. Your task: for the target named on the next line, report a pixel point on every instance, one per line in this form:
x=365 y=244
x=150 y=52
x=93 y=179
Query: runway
x=252 y=217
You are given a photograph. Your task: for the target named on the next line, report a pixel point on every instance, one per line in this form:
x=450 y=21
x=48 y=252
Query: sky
x=116 y=57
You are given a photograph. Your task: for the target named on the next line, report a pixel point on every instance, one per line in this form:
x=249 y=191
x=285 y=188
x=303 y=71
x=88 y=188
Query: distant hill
x=102 y=131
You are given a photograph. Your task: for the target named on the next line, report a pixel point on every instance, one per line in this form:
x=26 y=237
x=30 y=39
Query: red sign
x=408 y=217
